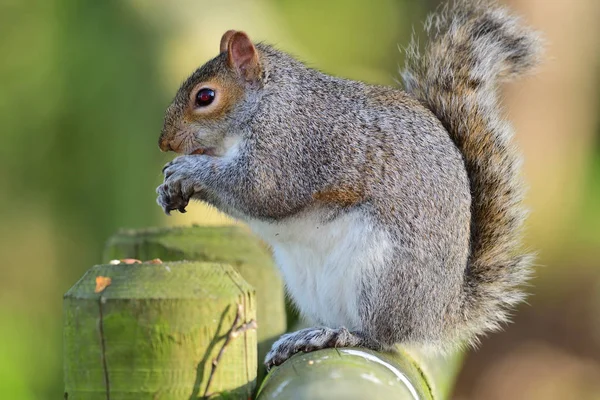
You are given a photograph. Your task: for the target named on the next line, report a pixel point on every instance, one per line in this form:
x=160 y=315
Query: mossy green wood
x=233 y=245
x=361 y=374
x=346 y=374
x=154 y=332
x=441 y=370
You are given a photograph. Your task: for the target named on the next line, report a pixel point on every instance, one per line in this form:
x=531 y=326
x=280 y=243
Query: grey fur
x=473 y=46
x=433 y=168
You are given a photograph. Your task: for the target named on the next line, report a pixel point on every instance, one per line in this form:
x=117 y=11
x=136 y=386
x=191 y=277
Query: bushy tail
x=473 y=45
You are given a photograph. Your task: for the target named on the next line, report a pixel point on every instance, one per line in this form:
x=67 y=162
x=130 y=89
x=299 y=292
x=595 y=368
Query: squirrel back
x=471 y=48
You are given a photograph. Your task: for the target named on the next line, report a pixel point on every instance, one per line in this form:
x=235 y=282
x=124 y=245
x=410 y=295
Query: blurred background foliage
x=83 y=87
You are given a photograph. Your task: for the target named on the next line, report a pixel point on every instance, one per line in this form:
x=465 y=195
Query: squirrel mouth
x=209 y=151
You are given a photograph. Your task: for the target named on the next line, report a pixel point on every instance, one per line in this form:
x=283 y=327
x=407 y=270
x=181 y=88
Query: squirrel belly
x=327 y=264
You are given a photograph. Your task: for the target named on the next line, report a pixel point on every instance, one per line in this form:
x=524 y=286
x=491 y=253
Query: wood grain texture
x=155 y=330
x=232 y=245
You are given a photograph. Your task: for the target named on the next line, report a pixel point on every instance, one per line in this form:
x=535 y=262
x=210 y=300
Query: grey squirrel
x=395 y=216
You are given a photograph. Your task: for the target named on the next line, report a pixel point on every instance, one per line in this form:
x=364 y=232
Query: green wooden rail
x=199 y=329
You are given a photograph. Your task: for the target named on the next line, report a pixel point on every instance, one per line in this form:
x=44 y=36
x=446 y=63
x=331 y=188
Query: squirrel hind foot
x=317 y=338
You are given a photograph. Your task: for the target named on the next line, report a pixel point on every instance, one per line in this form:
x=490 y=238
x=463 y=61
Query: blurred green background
x=83 y=87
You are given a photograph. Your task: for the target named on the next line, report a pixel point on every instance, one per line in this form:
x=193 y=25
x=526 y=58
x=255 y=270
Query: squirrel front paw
x=179 y=185
x=312 y=339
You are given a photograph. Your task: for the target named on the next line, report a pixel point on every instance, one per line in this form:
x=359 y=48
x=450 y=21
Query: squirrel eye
x=204 y=97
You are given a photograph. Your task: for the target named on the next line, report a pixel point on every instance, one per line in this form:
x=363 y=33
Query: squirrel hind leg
x=316 y=338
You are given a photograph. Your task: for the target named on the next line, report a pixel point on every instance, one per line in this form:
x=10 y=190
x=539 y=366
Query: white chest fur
x=325 y=265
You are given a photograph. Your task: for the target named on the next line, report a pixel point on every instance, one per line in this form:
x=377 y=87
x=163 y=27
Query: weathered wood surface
x=232 y=245
x=440 y=370
x=355 y=373
x=154 y=332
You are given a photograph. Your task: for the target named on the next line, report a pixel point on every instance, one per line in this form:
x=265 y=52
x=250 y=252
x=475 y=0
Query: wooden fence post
x=187 y=330
x=154 y=331
x=232 y=245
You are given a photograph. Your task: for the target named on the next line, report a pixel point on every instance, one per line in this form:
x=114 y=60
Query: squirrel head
x=199 y=119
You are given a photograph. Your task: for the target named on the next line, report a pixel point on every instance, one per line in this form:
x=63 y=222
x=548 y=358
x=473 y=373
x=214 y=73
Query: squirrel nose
x=164 y=144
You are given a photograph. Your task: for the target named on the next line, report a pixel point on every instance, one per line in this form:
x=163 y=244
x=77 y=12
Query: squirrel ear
x=225 y=40
x=243 y=57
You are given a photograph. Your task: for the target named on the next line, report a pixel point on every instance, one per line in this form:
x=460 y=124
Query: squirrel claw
x=312 y=339
x=167 y=165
